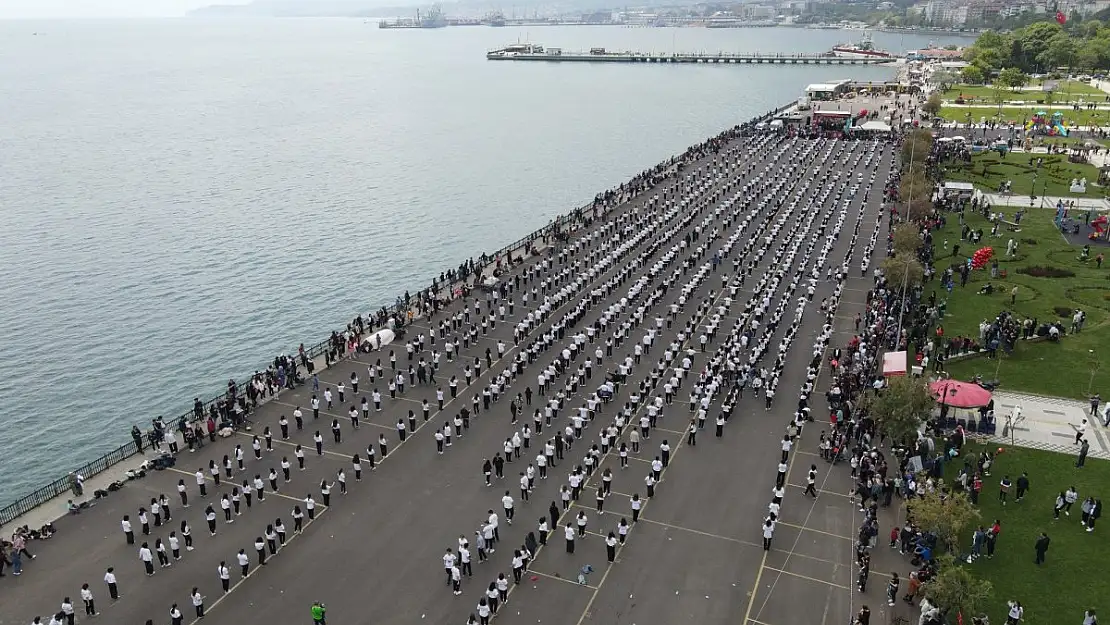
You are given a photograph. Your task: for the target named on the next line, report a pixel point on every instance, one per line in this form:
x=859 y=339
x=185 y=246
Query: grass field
x=1069 y=91
x=1062 y=369
x=988 y=170
x=1019 y=114
x=1066 y=141
x=1072 y=578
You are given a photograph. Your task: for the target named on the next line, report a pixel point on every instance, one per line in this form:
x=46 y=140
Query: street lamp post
x=1094 y=369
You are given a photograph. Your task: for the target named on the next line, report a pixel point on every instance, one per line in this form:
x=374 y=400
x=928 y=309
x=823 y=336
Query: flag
x=1061 y=18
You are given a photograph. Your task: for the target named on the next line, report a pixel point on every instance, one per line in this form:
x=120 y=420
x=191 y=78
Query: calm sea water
x=184 y=199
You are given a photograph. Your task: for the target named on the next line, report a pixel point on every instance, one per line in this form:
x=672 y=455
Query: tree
x=918 y=208
x=998 y=96
x=1061 y=51
x=899 y=409
x=973 y=75
x=907 y=239
x=914 y=185
x=944 y=79
x=1013 y=78
x=1094 y=53
x=1034 y=40
x=954 y=590
x=916 y=146
x=944 y=516
x=903 y=270
x=933 y=104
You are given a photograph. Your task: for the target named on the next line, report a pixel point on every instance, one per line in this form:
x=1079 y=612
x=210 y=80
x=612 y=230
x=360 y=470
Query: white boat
x=865 y=49
x=516 y=49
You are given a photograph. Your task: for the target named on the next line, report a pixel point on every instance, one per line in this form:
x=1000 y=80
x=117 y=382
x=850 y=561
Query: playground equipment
x=1099 y=225
x=1044 y=125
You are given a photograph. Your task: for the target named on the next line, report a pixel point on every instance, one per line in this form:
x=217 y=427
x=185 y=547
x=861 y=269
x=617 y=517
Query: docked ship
x=432 y=19
x=494 y=19
x=865 y=49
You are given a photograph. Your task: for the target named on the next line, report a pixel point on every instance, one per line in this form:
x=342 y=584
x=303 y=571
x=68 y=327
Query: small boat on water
x=864 y=49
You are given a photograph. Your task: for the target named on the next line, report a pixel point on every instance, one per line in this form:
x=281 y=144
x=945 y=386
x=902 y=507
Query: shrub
x=1039 y=271
x=1062 y=312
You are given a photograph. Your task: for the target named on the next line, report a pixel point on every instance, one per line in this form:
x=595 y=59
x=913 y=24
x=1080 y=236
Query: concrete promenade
x=373 y=556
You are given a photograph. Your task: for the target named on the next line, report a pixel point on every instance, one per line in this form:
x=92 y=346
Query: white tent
x=875 y=125
x=378 y=340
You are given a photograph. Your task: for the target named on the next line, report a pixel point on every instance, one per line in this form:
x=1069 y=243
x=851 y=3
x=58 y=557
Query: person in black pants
x=1041 y=547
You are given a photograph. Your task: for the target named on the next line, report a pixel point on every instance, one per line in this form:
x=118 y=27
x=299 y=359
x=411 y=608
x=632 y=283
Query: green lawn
x=1061 y=369
x=1066 y=141
x=1066 y=91
x=1020 y=114
x=988 y=170
x=1072 y=578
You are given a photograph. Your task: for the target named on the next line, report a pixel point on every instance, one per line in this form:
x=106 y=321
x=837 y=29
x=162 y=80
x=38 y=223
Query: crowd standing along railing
x=61 y=485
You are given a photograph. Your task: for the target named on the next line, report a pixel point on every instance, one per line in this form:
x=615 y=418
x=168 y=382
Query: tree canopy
x=1042 y=47
x=944 y=516
x=907 y=239
x=933 y=104
x=900 y=408
x=954 y=590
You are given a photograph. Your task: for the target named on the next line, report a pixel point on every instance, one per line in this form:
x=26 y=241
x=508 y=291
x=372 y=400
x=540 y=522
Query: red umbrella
x=960 y=394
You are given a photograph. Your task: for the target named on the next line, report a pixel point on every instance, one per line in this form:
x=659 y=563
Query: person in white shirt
x=611 y=547
x=147 y=558
x=449 y=560
x=568 y=532
x=110 y=580
x=128 y=532
x=464 y=561
x=483 y=612
x=89 y=601
x=244 y=562
x=492 y=524
x=198 y=602
x=224 y=574
x=67 y=611
x=456 y=580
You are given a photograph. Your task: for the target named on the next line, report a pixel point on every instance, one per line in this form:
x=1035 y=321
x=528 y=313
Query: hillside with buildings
x=890 y=14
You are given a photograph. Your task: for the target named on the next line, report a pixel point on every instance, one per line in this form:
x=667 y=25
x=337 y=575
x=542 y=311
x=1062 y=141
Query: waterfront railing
x=127 y=450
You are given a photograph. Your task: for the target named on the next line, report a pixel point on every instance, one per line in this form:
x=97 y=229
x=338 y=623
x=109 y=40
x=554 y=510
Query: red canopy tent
x=960 y=394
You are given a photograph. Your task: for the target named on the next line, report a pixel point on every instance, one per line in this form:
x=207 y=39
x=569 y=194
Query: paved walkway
x=1049 y=423
x=1047 y=202
x=695 y=556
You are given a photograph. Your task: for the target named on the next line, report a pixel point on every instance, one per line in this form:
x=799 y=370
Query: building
x=756 y=12
x=1016 y=9
x=946 y=12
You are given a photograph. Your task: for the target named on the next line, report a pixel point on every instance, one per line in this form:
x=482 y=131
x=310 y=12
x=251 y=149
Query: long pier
x=728 y=58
